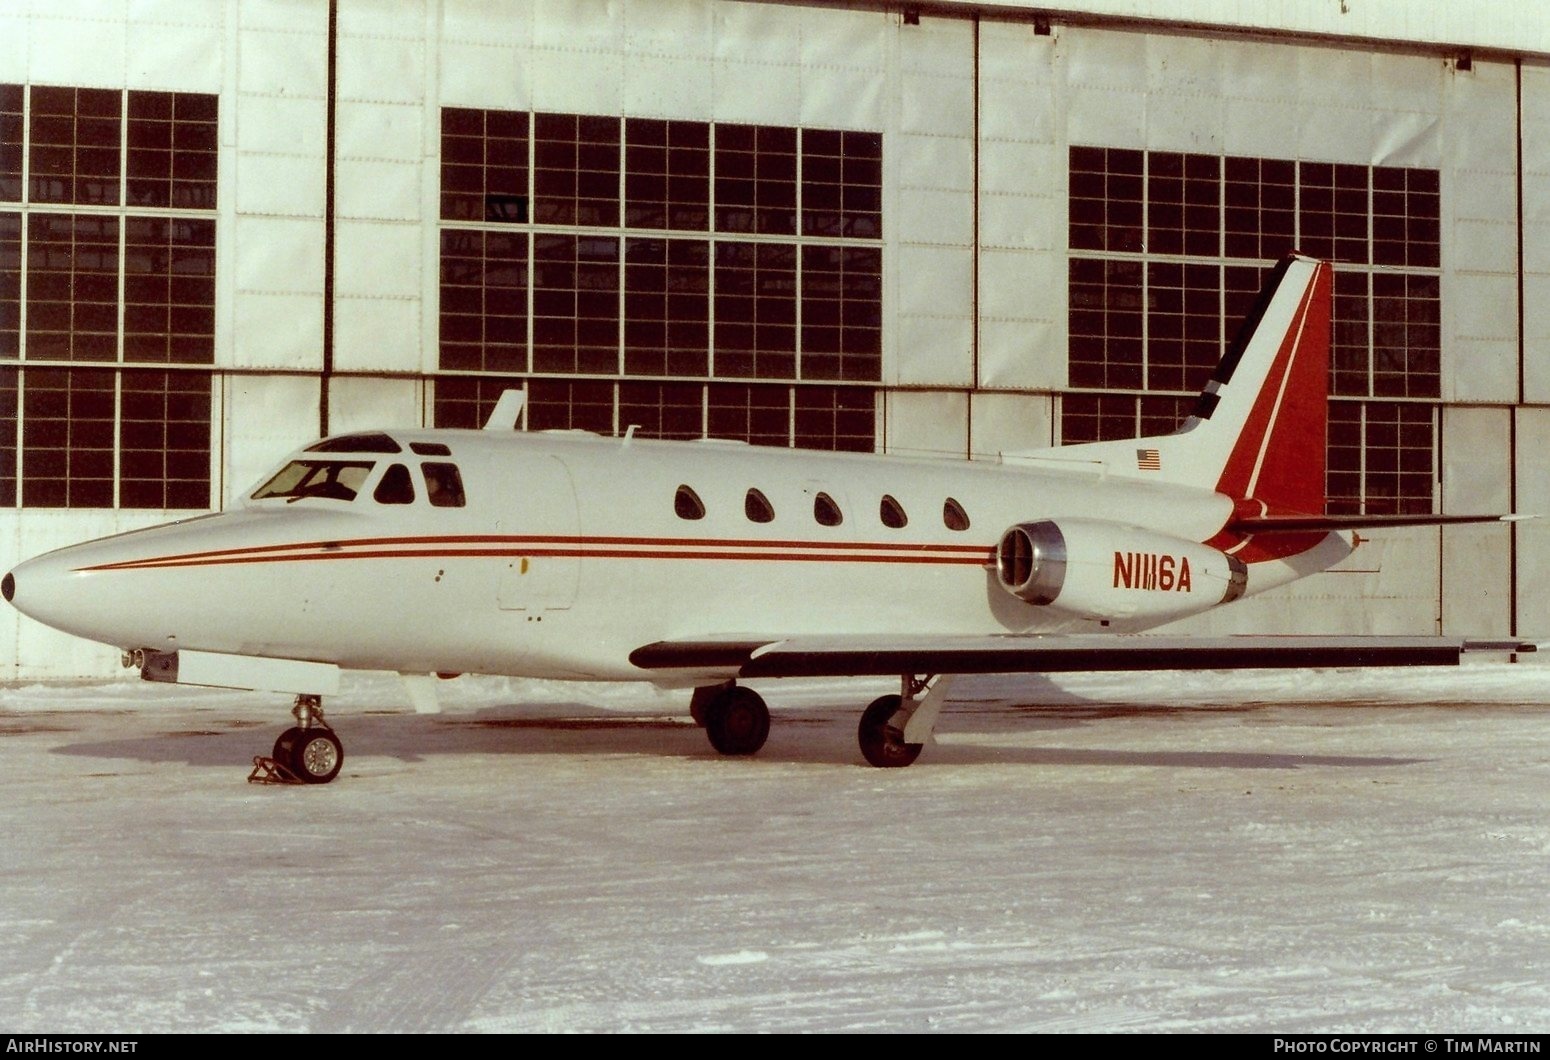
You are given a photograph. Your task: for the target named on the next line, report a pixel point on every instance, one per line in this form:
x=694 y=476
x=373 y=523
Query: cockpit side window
x=338 y=480
x=396 y=486
x=443 y=485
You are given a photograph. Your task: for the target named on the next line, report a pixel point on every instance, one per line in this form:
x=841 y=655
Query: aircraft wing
x=862 y=656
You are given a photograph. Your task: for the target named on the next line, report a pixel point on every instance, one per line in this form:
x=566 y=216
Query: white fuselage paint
x=569 y=555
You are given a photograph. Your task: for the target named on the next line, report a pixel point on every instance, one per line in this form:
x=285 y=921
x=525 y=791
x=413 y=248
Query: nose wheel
x=307 y=753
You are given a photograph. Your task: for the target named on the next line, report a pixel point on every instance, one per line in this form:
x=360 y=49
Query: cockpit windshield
x=338 y=480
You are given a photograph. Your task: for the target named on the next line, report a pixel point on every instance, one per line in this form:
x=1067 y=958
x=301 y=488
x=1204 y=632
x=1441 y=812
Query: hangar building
x=956 y=229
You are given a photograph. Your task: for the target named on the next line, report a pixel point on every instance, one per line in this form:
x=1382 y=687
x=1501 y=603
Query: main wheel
x=737 y=721
x=882 y=742
x=316 y=756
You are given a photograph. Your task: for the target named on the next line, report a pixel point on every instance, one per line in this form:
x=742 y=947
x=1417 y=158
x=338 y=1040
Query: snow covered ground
x=1338 y=851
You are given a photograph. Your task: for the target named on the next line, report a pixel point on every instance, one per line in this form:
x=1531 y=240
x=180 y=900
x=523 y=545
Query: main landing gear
x=306 y=753
x=892 y=732
x=735 y=718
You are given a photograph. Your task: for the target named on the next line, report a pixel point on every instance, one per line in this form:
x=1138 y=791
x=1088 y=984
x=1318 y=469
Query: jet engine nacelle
x=1104 y=570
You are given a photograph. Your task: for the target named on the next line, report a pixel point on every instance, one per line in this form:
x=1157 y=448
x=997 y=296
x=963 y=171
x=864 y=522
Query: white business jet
x=696 y=564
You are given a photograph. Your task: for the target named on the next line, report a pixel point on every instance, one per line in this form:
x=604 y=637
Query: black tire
x=882 y=743
x=285 y=744
x=702 y=696
x=737 y=721
x=317 y=756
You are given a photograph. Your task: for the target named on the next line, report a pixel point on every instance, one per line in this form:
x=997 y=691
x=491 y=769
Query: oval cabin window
x=954 y=515
x=687 y=504
x=826 y=511
x=757 y=507
x=891 y=512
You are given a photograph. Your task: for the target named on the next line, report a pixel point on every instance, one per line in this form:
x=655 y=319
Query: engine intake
x=1031 y=562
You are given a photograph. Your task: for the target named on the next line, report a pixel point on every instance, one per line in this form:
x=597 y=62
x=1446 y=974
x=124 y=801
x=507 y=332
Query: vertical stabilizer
x=1258 y=430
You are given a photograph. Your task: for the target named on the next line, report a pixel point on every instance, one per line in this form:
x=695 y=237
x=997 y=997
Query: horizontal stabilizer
x=1292 y=524
x=865 y=656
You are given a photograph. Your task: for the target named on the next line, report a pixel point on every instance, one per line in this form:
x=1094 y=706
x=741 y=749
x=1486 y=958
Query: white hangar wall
x=977 y=119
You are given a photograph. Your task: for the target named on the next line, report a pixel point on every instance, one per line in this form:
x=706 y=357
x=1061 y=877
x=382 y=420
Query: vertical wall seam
x=329 y=153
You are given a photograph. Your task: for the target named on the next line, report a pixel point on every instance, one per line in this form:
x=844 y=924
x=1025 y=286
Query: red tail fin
x=1278 y=456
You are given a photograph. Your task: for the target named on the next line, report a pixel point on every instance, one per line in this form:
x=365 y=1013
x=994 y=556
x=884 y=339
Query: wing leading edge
x=862 y=656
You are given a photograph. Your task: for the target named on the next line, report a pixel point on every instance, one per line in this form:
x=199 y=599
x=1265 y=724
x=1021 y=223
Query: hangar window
x=842 y=312
x=757 y=507
x=172 y=148
x=396 y=486
x=756 y=179
x=575 y=304
x=826 y=512
x=687 y=504
x=756 y=313
x=484 y=165
x=1149 y=318
x=667 y=174
x=891 y=512
x=11 y=97
x=575 y=170
x=662 y=410
x=484 y=282
x=107 y=284
x=666 y=307
x=842 y=183
x=647 y=204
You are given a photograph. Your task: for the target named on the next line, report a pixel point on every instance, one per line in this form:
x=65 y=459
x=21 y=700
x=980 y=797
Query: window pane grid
x=1380 y=226
x=169 y=290
x=67 y=438
x=164 y=440
x=74 y=145
x=606 y=297
x=575 y=304
x=72 y=287
x=11 y=126
x=483 y=300
x=103 y=284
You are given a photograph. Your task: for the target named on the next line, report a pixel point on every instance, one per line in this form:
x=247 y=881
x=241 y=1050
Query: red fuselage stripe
x=573 y=547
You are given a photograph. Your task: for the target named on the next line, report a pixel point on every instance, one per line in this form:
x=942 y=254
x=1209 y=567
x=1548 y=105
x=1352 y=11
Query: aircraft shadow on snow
x=798 y=736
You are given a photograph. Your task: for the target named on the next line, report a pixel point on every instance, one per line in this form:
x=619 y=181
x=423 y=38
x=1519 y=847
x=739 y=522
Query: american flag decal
x=1148 y=460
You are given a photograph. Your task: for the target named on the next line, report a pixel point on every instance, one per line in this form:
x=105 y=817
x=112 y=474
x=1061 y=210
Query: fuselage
x=569 y=551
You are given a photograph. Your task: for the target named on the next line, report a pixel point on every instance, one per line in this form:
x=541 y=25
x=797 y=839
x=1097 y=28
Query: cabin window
x=954 y=515
x=826 y=511
x=687 y=504
x=429 y=449
x=337 y=480
x=369 y=442
x=443 y=485
x=758 y=507
x=891 y=512
x=396 y=486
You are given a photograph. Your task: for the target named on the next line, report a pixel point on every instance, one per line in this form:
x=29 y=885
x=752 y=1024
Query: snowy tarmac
x=1294 y=852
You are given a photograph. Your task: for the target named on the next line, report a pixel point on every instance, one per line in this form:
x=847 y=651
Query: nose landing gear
x=306 y=753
